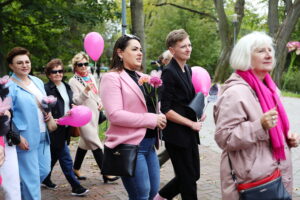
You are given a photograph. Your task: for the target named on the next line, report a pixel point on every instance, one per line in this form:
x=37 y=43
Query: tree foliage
x=49 y=28
x=163 y=18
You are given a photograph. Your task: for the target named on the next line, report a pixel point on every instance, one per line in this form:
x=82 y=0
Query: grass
x=290 y=94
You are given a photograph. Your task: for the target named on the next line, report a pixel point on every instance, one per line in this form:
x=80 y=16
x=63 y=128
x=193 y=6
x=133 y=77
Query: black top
x=61 y=134
x=150 y=133
x=177 y=92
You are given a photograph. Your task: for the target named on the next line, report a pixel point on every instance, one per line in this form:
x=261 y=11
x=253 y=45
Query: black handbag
x=102 y=117
x=197 y=104
x=271 y=190
x=120 y=161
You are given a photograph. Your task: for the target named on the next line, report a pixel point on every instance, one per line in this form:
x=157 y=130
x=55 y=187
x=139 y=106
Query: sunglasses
x=57 y=71
x=131 y=36
x=82 y=64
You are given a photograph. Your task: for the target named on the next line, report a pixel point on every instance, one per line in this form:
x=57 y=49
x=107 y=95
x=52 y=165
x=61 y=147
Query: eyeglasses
x=81 y=64
x=57 y=71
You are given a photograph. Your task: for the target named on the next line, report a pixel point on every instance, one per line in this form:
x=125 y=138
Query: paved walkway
x=208 y=185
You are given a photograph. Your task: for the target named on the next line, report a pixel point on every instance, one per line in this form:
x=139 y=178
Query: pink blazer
x=125 y=108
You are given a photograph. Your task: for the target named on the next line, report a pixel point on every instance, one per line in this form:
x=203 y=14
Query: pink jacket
x=125 y=108
x=237 y=116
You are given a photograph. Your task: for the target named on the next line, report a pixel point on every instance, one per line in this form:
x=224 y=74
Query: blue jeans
x=66 y=164
x=145 y=184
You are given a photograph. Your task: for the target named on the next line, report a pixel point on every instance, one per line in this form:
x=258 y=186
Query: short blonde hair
x=240 y=58
x=78 y=57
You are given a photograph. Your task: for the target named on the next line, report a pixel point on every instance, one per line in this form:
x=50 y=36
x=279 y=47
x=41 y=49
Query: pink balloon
x=201 y=80
x=94 y=45
x=79 y=116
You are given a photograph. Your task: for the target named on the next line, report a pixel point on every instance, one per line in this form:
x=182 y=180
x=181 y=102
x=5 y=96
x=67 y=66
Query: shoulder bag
x=74 y=131
x=120 y=161
x=268 y=188
x=51 y=124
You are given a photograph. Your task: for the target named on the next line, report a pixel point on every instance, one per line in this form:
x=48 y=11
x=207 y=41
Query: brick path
x=208 y=186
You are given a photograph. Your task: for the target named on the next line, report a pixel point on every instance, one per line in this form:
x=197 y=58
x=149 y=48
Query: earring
x=121 y=59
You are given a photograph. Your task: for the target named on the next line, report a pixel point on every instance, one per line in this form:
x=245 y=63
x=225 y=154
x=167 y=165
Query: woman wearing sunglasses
x=85 y=92
x=60 y=138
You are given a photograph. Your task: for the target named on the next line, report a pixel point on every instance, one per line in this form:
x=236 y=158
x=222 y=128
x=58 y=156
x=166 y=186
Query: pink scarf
x=268 y=98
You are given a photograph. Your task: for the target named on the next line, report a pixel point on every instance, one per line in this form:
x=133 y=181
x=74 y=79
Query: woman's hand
x=47 y=116
x=196 y=126
x=161 y=121
x=88 y=88
x=100 y=106
x=7 y=113
x=293 y=139
x=23 y=144
x=2 y=155
x=269 y=119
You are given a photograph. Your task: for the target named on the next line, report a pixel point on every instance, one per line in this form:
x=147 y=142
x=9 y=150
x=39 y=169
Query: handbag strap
x=20 y=84
x=232 y=173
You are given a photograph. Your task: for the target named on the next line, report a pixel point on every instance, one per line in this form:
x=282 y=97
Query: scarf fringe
x=279 y=153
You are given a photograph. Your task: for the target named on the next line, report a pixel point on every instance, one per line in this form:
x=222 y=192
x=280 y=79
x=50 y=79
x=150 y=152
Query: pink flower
x=49 y=99
x=155 y=73
x=4 y=80
x=155 y=82
x=294 y=45
x=5 y=104
x=143 y=79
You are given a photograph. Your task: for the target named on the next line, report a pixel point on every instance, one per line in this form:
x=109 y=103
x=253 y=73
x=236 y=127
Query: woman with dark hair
x=61 y=137
x=85 y=92
x=29 y=121
x=132 y=116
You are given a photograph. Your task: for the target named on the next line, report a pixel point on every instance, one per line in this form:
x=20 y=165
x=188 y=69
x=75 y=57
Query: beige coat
x=89 y=136
x=237 y=115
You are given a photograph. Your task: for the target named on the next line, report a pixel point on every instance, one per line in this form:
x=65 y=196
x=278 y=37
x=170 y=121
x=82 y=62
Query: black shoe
x=106 y=179
x=79 y=191
x=49 y=185
x=77 y=174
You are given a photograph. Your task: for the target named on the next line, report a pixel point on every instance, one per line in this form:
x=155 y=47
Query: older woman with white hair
x=252 y=127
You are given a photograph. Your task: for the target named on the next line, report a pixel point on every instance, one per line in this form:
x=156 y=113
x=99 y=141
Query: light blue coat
x=34 y=164
x=25 y=112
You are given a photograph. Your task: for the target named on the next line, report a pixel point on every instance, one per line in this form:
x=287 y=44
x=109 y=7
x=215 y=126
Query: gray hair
x=240 y=58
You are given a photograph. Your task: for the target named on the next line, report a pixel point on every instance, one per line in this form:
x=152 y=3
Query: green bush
x=292 y=82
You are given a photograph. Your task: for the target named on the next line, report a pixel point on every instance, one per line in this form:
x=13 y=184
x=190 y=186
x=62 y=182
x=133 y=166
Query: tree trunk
x=282 y=37
x=273 y=20
x=226 y=35
x=137 y=19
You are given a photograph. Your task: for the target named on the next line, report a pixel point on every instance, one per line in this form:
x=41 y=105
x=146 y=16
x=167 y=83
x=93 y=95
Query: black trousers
x=186 y=164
